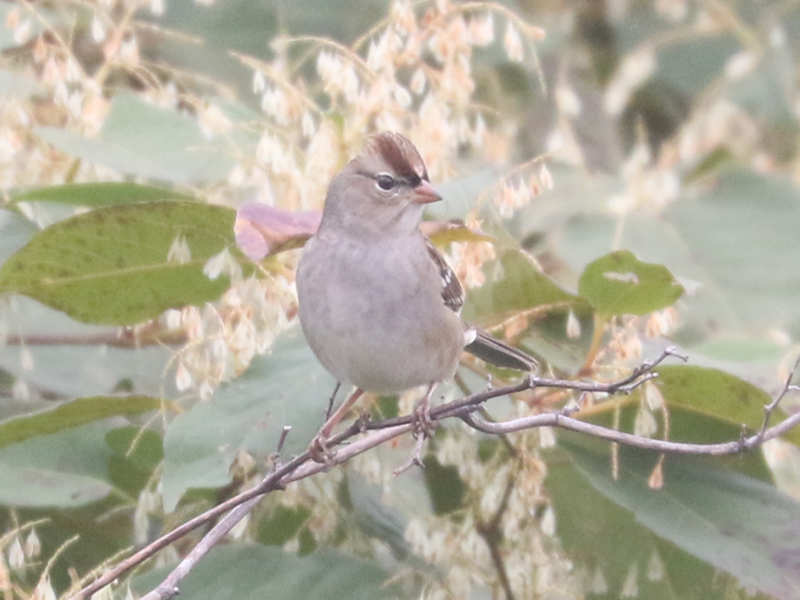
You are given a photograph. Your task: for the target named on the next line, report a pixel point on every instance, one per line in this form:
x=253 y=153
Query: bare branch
x=268 y=484
x=118 y=338
x=364 y=436
x=169 y=587
x=298 y=468
x=636 y=441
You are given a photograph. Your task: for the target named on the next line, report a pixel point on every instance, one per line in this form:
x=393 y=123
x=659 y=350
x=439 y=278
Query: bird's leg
x=422 y=414
x=319 y=445
x=423 y=428
x=331 y=399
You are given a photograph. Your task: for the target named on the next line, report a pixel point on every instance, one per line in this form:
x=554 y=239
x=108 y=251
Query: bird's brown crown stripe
x=401 y=155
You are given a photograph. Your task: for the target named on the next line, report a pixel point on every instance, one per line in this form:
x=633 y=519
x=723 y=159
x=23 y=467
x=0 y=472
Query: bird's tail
x=500 y=354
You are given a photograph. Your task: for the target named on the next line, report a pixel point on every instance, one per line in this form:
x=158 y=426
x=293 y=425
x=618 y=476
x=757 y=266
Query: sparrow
x=378 y=304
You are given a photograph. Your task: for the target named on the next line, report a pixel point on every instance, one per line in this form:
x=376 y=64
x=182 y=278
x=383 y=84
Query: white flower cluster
x=222 y=338
x=506 y=493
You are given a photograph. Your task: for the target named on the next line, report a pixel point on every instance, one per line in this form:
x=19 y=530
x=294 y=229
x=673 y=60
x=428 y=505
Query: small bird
x=378 y=304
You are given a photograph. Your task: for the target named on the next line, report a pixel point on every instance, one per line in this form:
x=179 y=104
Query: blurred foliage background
x=618 y=176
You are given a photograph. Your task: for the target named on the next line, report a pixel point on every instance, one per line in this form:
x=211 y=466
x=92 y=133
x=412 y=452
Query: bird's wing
x=478 y=342
x=452 y=292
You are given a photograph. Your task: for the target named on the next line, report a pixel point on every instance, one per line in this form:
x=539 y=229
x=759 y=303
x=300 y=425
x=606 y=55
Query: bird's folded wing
x=452 y=292
x=481 y=344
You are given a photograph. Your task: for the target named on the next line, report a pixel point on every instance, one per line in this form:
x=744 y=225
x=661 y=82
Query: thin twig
x=787 y=387
x=284 y=433
x=415 y=460
x=491 y=534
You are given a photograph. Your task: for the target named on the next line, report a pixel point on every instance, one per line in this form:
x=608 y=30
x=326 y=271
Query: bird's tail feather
x=499 y=353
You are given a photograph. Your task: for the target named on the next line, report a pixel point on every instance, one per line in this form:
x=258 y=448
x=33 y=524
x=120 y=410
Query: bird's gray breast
x=373 y=314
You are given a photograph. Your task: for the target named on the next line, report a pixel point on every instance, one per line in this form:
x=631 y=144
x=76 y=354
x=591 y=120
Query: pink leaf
x=262 y=230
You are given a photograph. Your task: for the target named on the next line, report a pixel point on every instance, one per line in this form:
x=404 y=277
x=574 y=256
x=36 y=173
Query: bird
x=378 y=304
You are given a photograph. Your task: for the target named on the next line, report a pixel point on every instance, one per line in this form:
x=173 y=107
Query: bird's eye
x=384 y=181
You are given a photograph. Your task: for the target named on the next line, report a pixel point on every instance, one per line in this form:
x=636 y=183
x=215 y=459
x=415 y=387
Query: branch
x=118 y=338
x=299 y=467
x=169 y=587
x=636 y=441
x=374 y=434
x=492 y=536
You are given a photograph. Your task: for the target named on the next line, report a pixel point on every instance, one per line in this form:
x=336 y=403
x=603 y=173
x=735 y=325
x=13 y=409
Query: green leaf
x=79 y=369
x=738 y=524
x=95 y=195
x=68 y=468
x=687 y=424
x=461 y=195
x=142 y=447
x=137 y=453
x=718 y=394
x=619 y=283
x=688 y=65
x=744 y=252
x=282 y=525
x=767 y=352
x=71 y=414
x=761 y=93
x=456 y=233
x=446 y=489
x=386 y=516
x=239 y=571
x=15 y=231
x=288 y=387
x=516 y=287
x=41 y=488
x=110 y=265
x=716 y=237
x=607 y=541
x=568 y=203
x=242 y=26
x=515 y=284
x=138 y=138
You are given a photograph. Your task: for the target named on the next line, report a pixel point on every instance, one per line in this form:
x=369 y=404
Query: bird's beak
x=425 y=193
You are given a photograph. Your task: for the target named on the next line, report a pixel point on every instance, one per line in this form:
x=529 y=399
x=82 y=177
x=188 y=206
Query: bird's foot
x=423 y=425
x=319 y=450
x=363 y=422
x=422 y=429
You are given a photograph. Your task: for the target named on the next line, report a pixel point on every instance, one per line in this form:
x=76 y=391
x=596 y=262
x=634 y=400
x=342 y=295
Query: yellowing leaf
x=110 y=265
